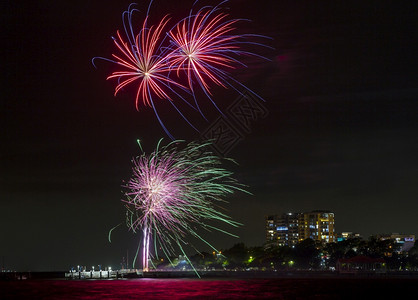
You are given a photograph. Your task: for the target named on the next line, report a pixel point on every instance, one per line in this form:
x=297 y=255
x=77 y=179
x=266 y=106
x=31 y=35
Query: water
x=273 y=288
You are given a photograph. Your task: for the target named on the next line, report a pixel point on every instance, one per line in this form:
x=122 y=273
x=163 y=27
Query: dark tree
x=307 y=254
x=237 y=255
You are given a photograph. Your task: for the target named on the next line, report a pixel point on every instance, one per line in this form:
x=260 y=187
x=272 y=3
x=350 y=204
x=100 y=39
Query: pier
x=118 y=274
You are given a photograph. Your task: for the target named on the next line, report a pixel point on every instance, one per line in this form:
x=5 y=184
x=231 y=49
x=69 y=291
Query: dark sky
x=341 y=132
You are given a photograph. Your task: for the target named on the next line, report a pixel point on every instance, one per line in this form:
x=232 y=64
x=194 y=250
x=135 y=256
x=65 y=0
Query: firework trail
x=173 y=191
x=205 y=49
x=144 y=61
x=201 y=46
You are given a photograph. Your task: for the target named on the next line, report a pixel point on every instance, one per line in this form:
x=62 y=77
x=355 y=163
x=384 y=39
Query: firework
x=143 y=60
x=206 y=50
x=142 y=63
x=172 y=192
x=201 y=46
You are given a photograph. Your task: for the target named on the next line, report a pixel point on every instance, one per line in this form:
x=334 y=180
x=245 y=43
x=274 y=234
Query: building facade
x=402 y=242
x=345 y=235
x=288 y=229
x=318 y=225
x=282 y=230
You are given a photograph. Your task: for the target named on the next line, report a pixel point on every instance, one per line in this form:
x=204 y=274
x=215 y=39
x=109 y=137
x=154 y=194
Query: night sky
x=341 y=131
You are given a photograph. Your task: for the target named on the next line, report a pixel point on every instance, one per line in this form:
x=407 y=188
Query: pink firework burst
x=206 y=49
x=203 y=47
x=173 y=191
x=144 y=62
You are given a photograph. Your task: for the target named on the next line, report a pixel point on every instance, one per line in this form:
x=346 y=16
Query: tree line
x=307 y=254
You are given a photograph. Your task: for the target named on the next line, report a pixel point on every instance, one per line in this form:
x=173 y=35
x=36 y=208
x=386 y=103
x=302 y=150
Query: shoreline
x=118 y=275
